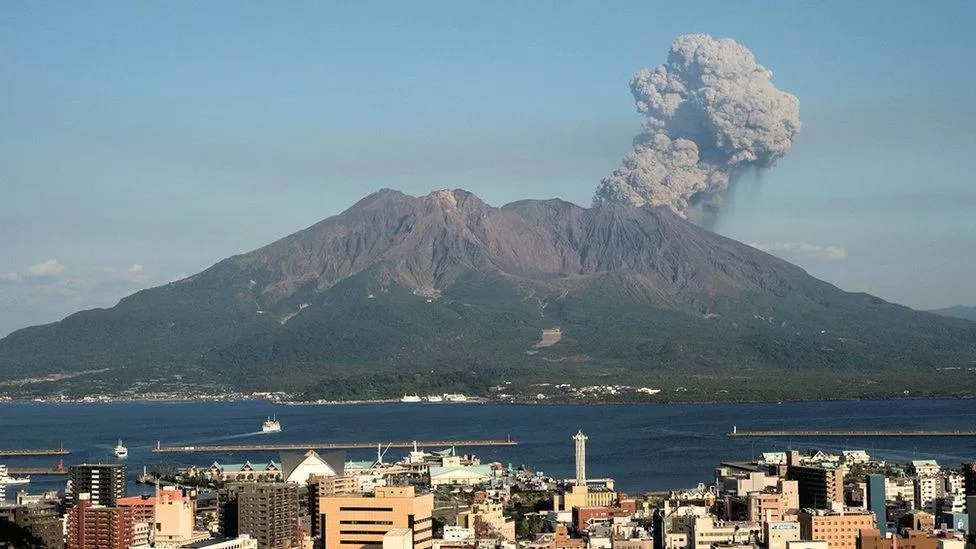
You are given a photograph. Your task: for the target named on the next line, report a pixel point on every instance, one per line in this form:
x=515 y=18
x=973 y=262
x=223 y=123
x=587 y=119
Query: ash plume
x=710 y=113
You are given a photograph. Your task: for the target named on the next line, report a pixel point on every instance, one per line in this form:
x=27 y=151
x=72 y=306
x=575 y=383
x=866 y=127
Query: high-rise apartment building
x=104 y=484
x=267 y=511
x=820 y=487
x=97 y=527
x=876 y=502
x=839 y=530
x=360 y=522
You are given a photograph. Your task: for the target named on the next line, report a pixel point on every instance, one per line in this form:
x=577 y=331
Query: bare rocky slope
x=446 y=292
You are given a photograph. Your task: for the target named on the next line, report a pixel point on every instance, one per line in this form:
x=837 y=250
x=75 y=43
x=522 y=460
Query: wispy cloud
x=801 y=251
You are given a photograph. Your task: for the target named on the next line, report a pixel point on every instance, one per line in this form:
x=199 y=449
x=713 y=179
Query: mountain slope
x=957 y=311
x=447 y=292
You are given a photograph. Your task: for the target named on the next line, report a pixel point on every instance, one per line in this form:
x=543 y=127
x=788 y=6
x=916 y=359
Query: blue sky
x=144 y=141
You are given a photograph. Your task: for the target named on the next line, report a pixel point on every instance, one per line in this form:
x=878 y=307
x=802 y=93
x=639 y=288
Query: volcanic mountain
x=447 y=293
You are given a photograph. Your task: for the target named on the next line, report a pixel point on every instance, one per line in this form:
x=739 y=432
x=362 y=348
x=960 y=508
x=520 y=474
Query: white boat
x=434 y=398
x=455 y=397
x=7 y=480
x=121 y=452
x=271 y=425
x=410 y=398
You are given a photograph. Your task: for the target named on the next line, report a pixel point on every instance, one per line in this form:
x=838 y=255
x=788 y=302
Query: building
x=466 y=475
x=104 y=484
x=360 y=522
x=925 y=468
x=93 y=526
x=239 y=472
x=839 y=530
x=876 y=502
x=487 y=518
x=326 y=486
x=299 y=467
x=39 y=515
x=266 y=511
x=777 y=535
x=174 y=516
x=705 y=531
x=243 y=542
x=819 y=486
x=928 y=490
x=398 y=538
x=969 y=478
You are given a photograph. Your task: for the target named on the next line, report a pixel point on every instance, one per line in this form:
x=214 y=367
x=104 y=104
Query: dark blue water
x=643 y=447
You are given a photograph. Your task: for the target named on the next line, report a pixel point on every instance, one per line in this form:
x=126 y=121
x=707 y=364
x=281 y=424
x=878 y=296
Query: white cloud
x=802 y=251
x=49 y=268
x=137 y=269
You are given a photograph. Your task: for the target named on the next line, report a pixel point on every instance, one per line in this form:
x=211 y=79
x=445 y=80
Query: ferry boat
x=410 y=398
x=434 y=398
x=271 y=425
x=7 y=480
x=121 y=452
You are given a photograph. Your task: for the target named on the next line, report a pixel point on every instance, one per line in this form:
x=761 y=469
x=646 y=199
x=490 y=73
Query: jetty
x=302 y=446
x=60 y=451
x=37 y=471
x=854 y=433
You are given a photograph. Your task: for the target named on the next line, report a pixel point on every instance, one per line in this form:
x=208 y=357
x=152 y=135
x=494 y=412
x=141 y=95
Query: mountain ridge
x=363 y=302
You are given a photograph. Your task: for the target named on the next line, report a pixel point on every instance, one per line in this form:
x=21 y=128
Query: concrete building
x=924 y=468
x=928 y=490
x=806 y=544
x=398 y=538
x=266 y=511
x=839 y=530
x=360 y=522
x=705 y=531
x=900 y=490
x=39 y=515
x=819 y=486
x=93 y=526
x=104 y=483
x=777 y=534
x=487 y=518
x=247 y=471
x=320 y=486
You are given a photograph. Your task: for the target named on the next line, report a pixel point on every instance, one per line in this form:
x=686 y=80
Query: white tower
x=580 y=439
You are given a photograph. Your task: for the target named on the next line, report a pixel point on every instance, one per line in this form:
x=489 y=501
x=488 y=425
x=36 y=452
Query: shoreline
x=470 y=400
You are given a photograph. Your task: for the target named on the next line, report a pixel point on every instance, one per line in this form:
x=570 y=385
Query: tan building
x=778 y=534
x=839 y=530
x=583 y=496
x=174 y=520
x=360 y=522
x=487 y=518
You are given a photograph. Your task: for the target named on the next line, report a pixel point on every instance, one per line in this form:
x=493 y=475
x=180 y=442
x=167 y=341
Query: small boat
x=410 y=398
x=271 y=425
x=121 y=452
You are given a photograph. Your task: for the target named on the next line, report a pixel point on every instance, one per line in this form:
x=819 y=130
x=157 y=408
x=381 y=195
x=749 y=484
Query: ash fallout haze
x=141 y=143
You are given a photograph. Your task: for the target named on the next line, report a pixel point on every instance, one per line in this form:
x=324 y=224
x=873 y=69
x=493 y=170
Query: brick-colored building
x=360 y=521
x=95 y=527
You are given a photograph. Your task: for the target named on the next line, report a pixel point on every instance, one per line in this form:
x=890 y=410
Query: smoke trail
x=709 y=112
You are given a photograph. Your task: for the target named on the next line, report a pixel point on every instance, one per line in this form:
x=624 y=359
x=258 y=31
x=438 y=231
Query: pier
x=36 y=471
x=330 y=446
x=60 y=451
x=853 y=433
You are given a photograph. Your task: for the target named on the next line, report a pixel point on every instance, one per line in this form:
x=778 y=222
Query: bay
x=644 y=447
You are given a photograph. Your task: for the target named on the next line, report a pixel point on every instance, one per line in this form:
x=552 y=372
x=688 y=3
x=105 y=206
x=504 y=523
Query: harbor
x=330 y=446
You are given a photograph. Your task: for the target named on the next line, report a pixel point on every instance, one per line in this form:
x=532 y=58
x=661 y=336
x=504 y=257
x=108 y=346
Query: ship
x=121 y=452
x=434 y=398
x=7 y=480
x=271 y=425
x=410 y=398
